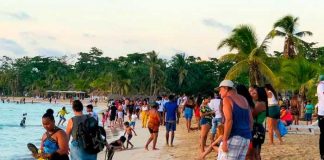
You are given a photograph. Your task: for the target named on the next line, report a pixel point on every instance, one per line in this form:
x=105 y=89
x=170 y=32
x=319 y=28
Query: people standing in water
x=23 y=121
x=54 y=144
x=76 y=150
x=153 y=126
x=170 y=112
x=274 y=113
x=62 y=113
x=238 y=123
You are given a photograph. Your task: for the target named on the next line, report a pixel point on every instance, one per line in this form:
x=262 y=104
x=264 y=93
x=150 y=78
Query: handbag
x=258 y=133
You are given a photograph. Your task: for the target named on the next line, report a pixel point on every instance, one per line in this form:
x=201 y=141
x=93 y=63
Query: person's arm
x=125 y=132
x=62 y=140
x=227 y=108
x=259 y=107
x=218 y=140
x=134 y=131
x=69 y=129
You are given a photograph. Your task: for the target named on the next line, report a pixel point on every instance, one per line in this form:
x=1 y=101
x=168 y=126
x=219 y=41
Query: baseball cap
x=226 y=83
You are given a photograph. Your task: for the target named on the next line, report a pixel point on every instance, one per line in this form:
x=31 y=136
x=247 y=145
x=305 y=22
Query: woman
x=54 y=144
x=273 y=113
x=206 y=115
x=295 y=109
x=153 y=126
x=76 y=150
x=197 y=110
x=238 y=123
x=144 y=113
x=189 y=112
x=259 y=113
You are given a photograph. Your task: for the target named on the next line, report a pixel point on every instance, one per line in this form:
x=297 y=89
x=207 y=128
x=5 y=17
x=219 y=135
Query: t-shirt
x=160 y=106
x=171 y=111
x=134 y=117
x=309 y=108
x=214 y=104
x=94 y=115
x=113 y=110
x=320 y=95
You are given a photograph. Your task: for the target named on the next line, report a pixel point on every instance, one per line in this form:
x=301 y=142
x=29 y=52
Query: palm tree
x=153 y=62
x=180 y=64
x=249 y=57
x=287 y=27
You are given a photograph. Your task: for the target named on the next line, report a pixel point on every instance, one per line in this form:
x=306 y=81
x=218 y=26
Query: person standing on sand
x=273 y=113
x=238 y=123
x=295 y=109
x=320 y=95
x=170 y=112
x=153 y=126
x=206 y=114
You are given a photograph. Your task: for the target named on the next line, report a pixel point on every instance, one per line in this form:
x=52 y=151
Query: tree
x=286 y=27
x=249 y=57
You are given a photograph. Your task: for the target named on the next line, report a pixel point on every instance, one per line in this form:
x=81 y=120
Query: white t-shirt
x=214 y=104
x=134 y=117
x=160 y=106
x=320 y=95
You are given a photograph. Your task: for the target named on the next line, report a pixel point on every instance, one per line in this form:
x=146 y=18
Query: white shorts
x=120 y=114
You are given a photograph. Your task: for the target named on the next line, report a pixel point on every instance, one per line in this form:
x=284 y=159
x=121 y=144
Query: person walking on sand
x=170 y=109
x=129 y=131
x=153 y=126
x=206 y=114
x=273 y=113
x=320 y=112
x=238 y=123
x=144 y=113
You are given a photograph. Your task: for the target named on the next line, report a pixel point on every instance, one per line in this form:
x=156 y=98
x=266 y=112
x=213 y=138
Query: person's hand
x=224 y=147
x=36 y=156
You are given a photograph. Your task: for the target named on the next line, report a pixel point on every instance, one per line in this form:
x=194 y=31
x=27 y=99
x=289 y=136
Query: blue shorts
x=308 y=116
x=215 y=123
x=170 y=126
x=188 y=113
x=132 y=123
x=204 y=121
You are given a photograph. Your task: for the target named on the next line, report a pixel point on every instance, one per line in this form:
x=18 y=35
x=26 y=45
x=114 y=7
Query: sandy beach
x=186 y=145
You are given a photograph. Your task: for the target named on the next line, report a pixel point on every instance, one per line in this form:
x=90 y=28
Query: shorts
x=188 y=113
x=170 y=126
x=132 y=123
x=62 y=118
x=215 y=123
x=120 y=114
x=204 y=121
x=237 y=149
x=129 y=137
x=274 y=112
x=152 y=131
x=112 y=117
x=308 y=116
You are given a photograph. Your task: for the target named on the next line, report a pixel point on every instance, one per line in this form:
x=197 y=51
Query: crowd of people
x=236 y=119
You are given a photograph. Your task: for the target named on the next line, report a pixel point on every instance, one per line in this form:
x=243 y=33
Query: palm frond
x=304 y=33
x=232 y=57
x=237 y=69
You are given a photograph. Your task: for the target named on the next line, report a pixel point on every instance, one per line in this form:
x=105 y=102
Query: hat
x=321 y=77
x=226 y=83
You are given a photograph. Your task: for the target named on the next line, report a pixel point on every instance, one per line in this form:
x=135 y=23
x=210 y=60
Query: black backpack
x=90 y=136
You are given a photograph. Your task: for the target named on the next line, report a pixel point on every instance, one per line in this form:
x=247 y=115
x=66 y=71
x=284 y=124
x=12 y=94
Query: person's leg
x=155 y=140
x=59 y=122
x=143 y=119
x=63 y=121
x=275 y=129
x=208 y=150
x=167 y=128
x=149 y=141
x=204 y=132
x=172 y=138
x=270 y=130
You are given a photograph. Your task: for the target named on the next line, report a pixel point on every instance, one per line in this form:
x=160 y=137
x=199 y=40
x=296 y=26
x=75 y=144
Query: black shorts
x=152 y=131
x=112 y=118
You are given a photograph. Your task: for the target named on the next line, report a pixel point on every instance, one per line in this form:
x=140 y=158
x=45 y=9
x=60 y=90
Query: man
x=160 y=109
x=164 y=101
x=320 y=95
x=214 y=104
x=170 y=111
x=91 y=112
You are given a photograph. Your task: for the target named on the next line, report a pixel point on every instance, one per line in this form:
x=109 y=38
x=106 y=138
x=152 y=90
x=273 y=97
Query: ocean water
x=14 y=139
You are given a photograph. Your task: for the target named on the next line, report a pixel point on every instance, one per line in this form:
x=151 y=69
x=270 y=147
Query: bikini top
x=50 y=145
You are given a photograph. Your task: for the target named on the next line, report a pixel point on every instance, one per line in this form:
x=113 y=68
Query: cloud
x=88 y=35
x=18 y=16
x=7 y=45
x=33 y=38
x=49 y=52
x=210 y=22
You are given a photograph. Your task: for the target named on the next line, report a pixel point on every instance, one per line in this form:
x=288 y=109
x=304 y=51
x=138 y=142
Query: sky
x=121 y=27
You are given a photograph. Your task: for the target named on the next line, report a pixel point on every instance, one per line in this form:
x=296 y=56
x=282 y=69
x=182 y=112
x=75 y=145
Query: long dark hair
x=243 y=91
x=269 y=87
x=262 y=97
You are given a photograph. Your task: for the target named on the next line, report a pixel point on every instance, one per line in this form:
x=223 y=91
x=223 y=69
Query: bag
x=282 y=128
x=258 y=134
x=90 y=136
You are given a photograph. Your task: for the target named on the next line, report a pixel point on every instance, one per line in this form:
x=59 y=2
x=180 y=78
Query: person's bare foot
x=171 y=145
x=155 y=148
x=271 y=143
x=281 y=142
x=146 y=148
x=132 y=146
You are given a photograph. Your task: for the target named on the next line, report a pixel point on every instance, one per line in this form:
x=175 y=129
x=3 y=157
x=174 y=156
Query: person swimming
x=23 y=121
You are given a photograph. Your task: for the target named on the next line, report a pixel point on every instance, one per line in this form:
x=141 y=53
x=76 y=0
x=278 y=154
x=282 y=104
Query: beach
x=186 y=145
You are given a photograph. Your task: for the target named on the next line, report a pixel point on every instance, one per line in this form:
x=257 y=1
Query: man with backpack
x=88 y=139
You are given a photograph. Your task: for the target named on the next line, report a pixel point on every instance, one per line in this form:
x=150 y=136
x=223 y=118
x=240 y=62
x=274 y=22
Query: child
x=309 y=108
x=62 y=113
x=111 y=147
x=129 y=131
x=133 y=120
x=104 y=118
x=216 y=143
